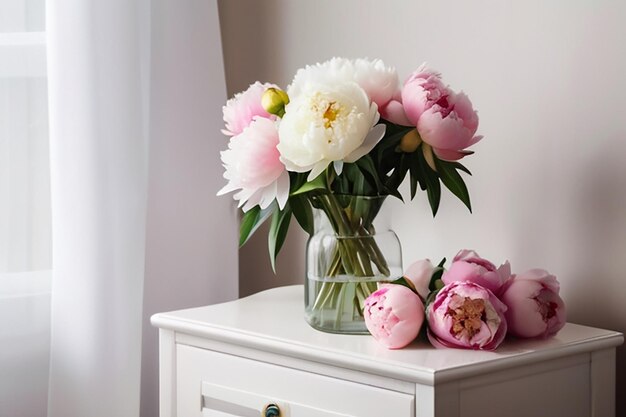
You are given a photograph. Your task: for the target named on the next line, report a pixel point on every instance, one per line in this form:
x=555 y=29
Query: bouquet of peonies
x=344 y=128
x=472 y=305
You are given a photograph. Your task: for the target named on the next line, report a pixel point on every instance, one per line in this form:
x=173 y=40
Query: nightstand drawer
x=212 y=384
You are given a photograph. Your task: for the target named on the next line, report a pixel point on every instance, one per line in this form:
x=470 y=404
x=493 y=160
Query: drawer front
x=212 y=384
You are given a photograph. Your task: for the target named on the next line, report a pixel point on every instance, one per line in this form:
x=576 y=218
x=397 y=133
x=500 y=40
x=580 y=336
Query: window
x=25 y=218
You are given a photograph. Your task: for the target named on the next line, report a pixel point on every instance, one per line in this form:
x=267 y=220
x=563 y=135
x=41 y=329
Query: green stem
x=356 y=254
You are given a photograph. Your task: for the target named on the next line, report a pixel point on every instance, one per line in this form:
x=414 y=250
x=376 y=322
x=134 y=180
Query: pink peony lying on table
x=535 y=308
x=419 y=273
x=394 y=315
x=468 y=316
x=467 y=265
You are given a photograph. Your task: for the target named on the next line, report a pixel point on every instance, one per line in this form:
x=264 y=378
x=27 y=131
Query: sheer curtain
x=25 y=259
x=132 y=83
x=98 y=144
x=116 y=202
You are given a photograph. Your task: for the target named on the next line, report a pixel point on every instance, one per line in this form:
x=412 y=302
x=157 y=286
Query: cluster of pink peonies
x=472 y=305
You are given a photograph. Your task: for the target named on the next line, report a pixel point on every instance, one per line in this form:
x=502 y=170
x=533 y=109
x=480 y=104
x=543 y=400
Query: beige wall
x=548 y=79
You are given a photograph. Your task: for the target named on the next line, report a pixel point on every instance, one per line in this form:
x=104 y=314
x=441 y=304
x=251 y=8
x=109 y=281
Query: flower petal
x=450 y=155
x=394 y=112
x=373 y=137
x=338 y=165
x=317 y=170
x=282 y=189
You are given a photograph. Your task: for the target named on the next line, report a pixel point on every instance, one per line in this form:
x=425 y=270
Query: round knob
x=271 y=410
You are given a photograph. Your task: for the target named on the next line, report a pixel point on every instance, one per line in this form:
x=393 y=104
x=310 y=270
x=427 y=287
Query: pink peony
x=467 y=265
x=449 y=126
x=467 y=316
x=444 y=119
x=535 y=307
x=394 y=315
x=240 y=110
x=253 y=167
x=423 y=90
x=419 y=273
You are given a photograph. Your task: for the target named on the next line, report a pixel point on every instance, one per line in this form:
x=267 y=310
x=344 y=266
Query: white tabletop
x=273 y=321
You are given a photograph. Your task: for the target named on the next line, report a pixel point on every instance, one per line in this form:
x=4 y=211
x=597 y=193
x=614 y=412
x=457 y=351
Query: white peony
x=330 y=118
x=380 y=82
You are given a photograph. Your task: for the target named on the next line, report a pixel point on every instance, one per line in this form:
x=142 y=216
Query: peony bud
x=394 y=315
x=419 y=273
x=410 y=142
x=274 y=101
x=467 y=265
x=535 y=307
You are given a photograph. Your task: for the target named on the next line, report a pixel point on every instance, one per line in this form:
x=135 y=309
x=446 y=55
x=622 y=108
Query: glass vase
x=347 y=256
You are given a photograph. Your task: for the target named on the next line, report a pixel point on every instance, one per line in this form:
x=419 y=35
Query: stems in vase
x=355 y=261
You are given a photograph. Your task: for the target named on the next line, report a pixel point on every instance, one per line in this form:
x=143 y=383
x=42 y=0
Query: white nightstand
x=234 y=359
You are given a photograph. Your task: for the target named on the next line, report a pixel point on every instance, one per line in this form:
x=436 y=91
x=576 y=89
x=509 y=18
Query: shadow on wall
x=239 y=51
x=255 y=271
x=598 y=223
x=580 y=228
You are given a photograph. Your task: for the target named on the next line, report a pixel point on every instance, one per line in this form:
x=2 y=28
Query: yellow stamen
x=330 y=115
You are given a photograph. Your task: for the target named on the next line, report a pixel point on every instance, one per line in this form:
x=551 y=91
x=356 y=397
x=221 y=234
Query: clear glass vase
x=347 y=256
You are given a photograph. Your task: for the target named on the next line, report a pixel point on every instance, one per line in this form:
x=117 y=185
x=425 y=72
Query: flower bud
x=274 y=101
x=410 y=142
x=535 y=307
x=419 y=273
x=467 y=265
x=393 y=315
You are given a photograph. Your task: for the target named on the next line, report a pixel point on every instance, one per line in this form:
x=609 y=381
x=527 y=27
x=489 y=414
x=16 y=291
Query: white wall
x=548 y=79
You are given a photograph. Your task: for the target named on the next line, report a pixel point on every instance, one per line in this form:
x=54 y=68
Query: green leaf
x=405 y=283
x=441 y=263
x=461 y=167
x=453 y=181
x=317 y=184
x=303 y=212
x=297 y=180
x=389 y=142
x=413 y=174
x=398 y=174
x=431 y=180
x=252 y=220
x=278 y=232
x=367 y=167
x=435 y=277
x=430 y=299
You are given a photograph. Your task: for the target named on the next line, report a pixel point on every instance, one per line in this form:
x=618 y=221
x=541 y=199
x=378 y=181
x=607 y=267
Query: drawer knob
x=271 y=410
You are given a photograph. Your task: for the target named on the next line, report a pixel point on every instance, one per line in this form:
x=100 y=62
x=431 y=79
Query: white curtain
x=24 y=211
x=99 y=155
x=131 y=83
x=127 y=244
